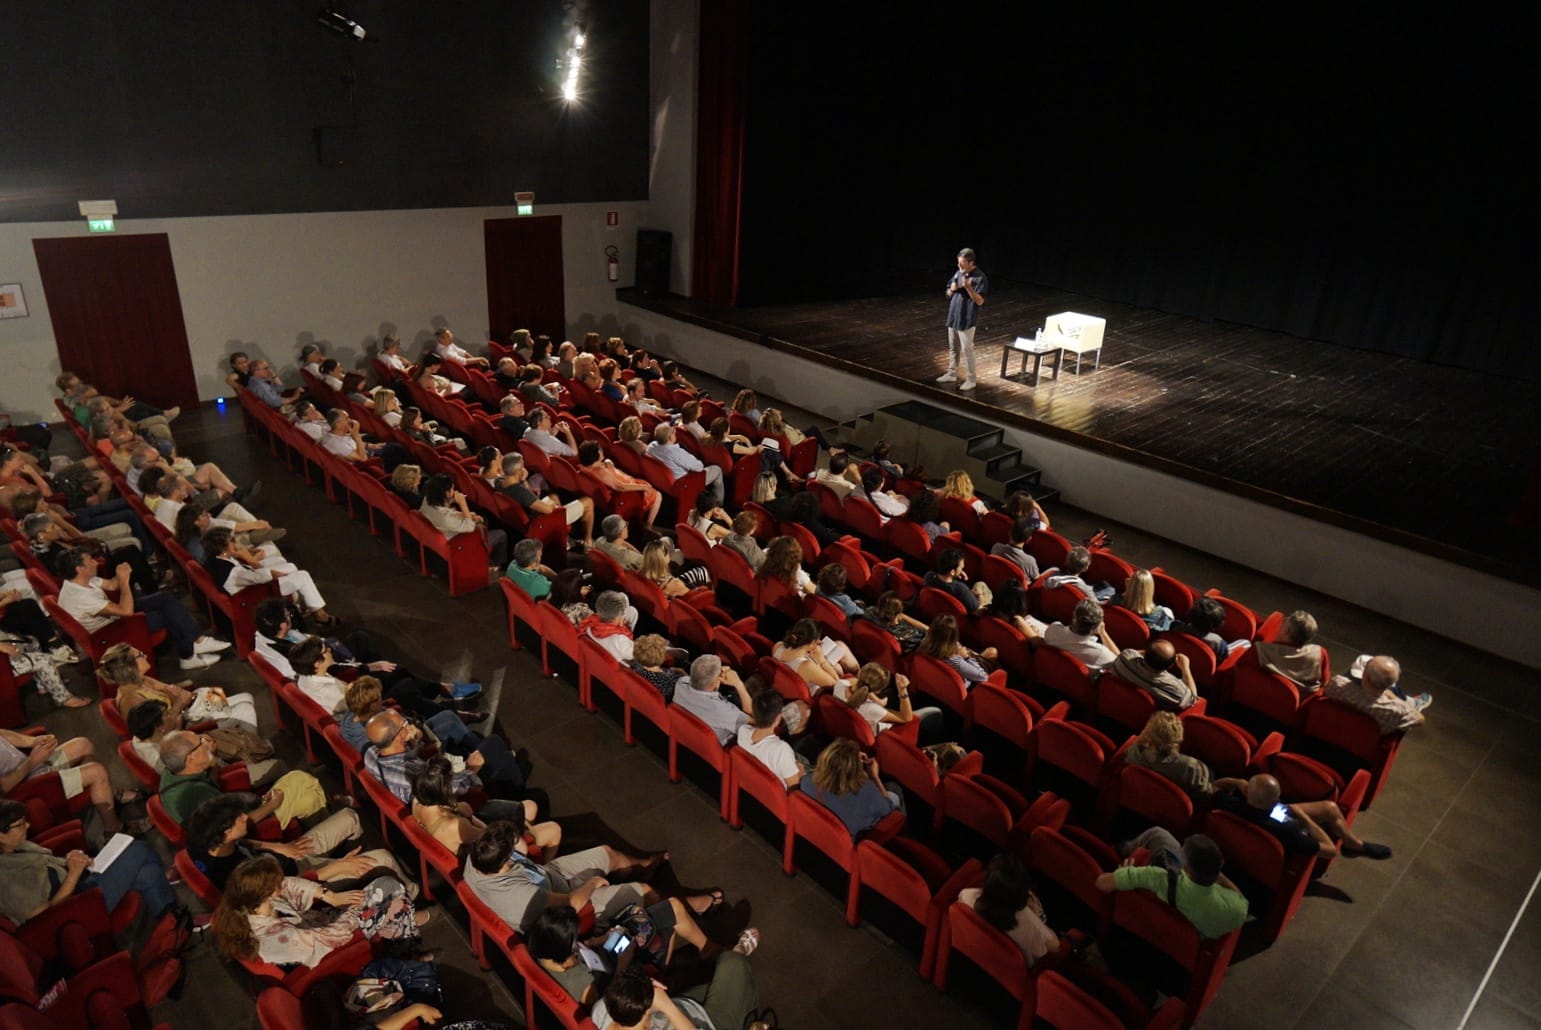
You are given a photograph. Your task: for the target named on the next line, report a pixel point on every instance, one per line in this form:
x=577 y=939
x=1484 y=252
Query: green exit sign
x=101 y=225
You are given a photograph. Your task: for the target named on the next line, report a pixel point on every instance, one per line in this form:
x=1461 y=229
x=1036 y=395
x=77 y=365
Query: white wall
x=266 y=283
x=1490 y=613
x=672 y=146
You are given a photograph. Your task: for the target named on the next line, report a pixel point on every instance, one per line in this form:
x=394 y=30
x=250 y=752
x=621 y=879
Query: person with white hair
x=1372 y=686
x=680 y=462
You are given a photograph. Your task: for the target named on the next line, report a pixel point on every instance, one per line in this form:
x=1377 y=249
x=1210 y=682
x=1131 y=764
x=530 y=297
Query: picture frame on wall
x=13 y=303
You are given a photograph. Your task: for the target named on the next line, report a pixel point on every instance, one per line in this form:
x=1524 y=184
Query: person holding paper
x=34 y=879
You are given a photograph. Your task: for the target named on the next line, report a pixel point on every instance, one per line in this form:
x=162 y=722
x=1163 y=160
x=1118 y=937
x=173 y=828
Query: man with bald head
x=1153 y=673
x=1304 y=828
x=1372 y=687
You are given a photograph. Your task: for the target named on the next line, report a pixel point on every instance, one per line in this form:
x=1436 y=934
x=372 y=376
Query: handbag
x=417 y=980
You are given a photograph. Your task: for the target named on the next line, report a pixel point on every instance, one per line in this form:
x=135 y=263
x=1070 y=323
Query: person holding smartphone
x=1304 y=828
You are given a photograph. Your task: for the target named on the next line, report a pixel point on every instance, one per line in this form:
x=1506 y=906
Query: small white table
x=1037 y=350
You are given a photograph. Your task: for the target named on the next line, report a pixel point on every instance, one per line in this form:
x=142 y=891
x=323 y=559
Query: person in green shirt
x=1204 y=896
x=527 y=572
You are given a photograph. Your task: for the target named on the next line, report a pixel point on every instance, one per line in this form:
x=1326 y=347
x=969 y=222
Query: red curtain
x=723 y=94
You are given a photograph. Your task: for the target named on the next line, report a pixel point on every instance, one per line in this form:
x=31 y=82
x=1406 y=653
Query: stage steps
x=941 y=441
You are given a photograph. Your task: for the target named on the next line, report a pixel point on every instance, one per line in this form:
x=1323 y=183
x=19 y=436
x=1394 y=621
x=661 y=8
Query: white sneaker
x=208 y=645
x=170 y=414
x=198 y=661
x=967 y=384
x=64 y=655
x=948 y=378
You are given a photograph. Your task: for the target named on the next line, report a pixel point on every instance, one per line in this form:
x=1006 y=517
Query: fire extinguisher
x=614 y=254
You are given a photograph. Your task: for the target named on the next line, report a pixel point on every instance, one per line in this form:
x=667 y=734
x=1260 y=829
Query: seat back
x=834 y=718
x=752 y=777
x=934 y=602
x=1014 y=652
x=967 y=802
x=1065 y=675
x=1256 y=862
x=1352 y=741
x=1223 y=746
x=1002 y=712
x=1123 y=704
x=1165 y=930
x=991 y=950
x=1154 y=800
x=901 y=760
x=823 y=829
x=940 y=681
x=1125 y=627
x=872 y=643
x=1061 y=1004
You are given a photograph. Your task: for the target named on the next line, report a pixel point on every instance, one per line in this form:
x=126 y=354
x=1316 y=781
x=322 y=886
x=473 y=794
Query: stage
x=1435 y=459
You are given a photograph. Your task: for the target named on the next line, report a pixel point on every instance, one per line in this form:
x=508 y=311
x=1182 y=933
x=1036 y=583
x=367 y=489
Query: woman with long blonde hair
x=1140 y=598
x=655 y=568
x=960 y=485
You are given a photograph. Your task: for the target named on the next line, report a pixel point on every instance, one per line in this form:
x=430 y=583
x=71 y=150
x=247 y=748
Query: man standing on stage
x=965 y=296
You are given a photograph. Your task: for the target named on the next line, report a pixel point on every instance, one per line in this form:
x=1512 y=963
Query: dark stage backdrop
x=1363 y=176
x=178 y=108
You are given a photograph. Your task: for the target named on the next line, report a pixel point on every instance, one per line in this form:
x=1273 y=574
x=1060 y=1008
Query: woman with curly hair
x=262 y=915
x=784 y=561
x=960 y=485
x=629 y=434
x=747 y=404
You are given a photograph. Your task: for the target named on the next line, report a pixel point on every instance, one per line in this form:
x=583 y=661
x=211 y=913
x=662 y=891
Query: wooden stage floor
x=1435 y=458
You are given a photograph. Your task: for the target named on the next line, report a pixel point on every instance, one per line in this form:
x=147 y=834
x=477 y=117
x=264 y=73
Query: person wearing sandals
x=23 y=757
x=585 y=968
x=33 y=879
x=234 y=568
x=636 y=1001
x=26 y=655
x=128 y=668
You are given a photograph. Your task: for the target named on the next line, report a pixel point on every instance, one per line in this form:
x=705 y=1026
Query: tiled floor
x=1399 y=943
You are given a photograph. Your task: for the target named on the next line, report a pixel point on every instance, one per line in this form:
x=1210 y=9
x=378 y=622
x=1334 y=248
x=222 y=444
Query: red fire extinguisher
x=614 y=254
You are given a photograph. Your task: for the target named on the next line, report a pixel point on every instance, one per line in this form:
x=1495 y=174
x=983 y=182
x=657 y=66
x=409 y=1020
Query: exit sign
x=101 y=225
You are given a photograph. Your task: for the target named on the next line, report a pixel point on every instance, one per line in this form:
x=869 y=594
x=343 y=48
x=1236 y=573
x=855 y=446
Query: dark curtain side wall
x=1361 y=176
x=182 y=108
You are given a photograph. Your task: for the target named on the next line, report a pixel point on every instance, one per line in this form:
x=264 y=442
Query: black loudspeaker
x=655 y=247
x=336 y=145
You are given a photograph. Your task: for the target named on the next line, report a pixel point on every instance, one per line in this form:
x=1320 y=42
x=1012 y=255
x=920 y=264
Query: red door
x=117 y=315
x=524 y=276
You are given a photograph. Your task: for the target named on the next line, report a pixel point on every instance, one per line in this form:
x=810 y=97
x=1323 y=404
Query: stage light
x=572 y=63
x=339 y=22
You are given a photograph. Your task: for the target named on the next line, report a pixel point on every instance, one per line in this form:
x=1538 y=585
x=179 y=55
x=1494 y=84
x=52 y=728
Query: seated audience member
x=310 y=420
x=960 y=487
x=240 y=369
x=150 y=721
x=1292 y=655
x=941 y=641
x=1076 y=562
x=690 y=419
x=772 y=424
x=950 y=577
x=926 y=512
x=648 y=655
x=42 y=660
x=820 y=661
x=84 y=595
x=742 y=539
x=611 y=624
x=609 y=380
x=534 y=390
x=1304 y=828
x=615 y=545
x=637 y=399
x=541 y=353
x=311 y=660
x=700 y=695
x=655 y=568
x=887 y=502
x=500 y=871
x=333 y=375
x=747 y=404
x=1372 y=687
x=720 y=434
x=868 y=695
x=1016 y=551
x=591 y=458
x=128 y=669
x=882 y=457
x=518 y=484
x=344 y=440
x=834 y=475
x=759 y=737
x=364 y=698
x=1021 y=505
x=424 y=431
x=235 y=568
x=1158 y=748
x=390 y=353
x=511 y=418
x=1203 y=894
x=1006 y=901
x=559 y=442
x=446 y=509
x=586 y=971
x=264 y=385
x=849 y=784
x=709 y=519
x=1152 y=672
x=634 y=1001
x=386 y=405
x=565 y=355
x=455 y=825
x=428 y=377
x=393 y=758
x=1010 y=605
x=528 y=572
x=33 y=879
x=219 y=839
x=186 y=783
x=832 y=586
x=889 y=614
x=1140 y=598
x=312 y=358
x=406 y=482
x=1204 y=620
x=507 y=374
x=784 y=562
x=629 y=434
x=445 y=347
x=570 y=594
x=1086 y=637
x=680 y=462
x=262 y=915
x=24 y=757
